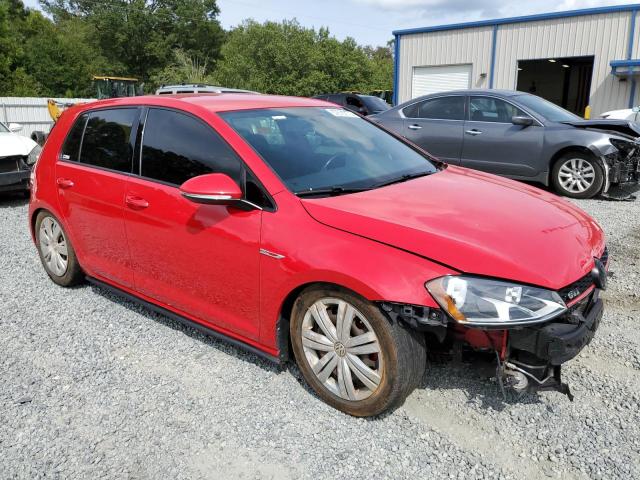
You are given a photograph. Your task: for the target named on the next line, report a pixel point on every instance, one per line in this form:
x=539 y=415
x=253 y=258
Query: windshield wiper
x=403 y=178
x=332 y=191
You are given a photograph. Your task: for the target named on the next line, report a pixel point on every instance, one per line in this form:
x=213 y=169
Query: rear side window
x=442 y=108
x=71 y=145
x=177 y=147
x=489 y=109
x=107 y=139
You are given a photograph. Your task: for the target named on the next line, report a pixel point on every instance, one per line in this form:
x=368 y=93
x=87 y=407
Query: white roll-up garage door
x=427 y=80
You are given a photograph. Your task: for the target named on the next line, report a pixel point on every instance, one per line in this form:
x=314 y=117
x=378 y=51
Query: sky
x=371 y=22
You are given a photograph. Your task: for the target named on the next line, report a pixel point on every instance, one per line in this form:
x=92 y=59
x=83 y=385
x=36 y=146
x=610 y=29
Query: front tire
x=56 y=252
x=354 y=357
x=577 y=175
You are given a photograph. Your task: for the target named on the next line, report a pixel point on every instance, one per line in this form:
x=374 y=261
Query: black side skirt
x=185 y=321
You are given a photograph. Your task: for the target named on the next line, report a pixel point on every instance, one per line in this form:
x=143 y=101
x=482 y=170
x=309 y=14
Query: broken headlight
x=625 y=147
x=490 y=303
x=33 y=156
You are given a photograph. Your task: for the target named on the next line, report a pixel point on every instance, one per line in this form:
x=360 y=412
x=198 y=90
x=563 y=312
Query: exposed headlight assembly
x=625 y=147
x=484 y=302
x=33 y=156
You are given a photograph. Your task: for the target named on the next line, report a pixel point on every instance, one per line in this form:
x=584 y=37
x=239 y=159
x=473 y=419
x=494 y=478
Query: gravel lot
x=92 y=386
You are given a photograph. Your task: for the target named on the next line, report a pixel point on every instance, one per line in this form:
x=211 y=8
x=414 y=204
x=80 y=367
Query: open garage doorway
x=563 y=81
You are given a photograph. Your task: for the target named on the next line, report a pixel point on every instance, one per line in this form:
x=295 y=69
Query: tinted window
x=443 y=108
x=107 y=139
x=314 y=148
x=488 y=109
x=71 y=145
x=336 y=99
x=375 y=104
x=177 y=147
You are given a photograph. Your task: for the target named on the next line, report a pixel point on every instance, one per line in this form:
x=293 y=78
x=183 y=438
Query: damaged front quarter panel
x=620 y=157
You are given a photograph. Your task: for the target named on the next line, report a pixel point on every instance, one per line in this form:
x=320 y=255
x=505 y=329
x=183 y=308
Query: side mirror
x=522 y=121
x=15 y=127
x=211 y=189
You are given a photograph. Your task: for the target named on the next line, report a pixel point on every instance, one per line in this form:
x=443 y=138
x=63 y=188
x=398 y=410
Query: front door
x=436 y=125
x=492 y=143
x=91 y=176
x=200 y=260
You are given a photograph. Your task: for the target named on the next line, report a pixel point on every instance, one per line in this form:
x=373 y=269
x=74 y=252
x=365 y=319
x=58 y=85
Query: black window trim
x=465 y=113
x=244 y=167
x=537 y=122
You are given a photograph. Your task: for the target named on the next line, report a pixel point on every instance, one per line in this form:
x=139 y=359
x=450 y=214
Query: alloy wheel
x=53 y=246
x=576 y=175
x=342 y=349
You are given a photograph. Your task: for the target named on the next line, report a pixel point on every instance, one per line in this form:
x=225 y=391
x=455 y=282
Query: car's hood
x=625 y=127
x=475 y=223
x=12 y=144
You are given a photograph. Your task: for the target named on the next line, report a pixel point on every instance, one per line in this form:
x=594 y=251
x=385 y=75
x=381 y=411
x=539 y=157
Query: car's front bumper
x=15 y=181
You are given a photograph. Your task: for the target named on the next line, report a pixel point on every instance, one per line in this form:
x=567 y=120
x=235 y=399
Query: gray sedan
x=524 y=137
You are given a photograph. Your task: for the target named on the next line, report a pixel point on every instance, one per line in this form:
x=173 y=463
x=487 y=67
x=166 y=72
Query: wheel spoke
x=321 y=317
x=361 y=339
x=316 y=341
x=366 y=375
x=326 y=372
x=317 y=368
x=62 y=248
x=344 y=320
x=365 y=349
x=345 y=381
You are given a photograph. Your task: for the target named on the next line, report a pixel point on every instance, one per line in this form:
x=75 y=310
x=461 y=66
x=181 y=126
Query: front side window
x=71 y=145
x=489 y=109
x=177 y=147
x=442 y=108
x=107 y=139
x=313 y=148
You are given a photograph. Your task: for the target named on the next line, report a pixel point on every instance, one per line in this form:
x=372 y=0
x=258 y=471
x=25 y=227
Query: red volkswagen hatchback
x=288 y=224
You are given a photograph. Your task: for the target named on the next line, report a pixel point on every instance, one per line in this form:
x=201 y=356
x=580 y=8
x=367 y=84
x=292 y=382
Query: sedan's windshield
x=327 y=149
x=548 y=110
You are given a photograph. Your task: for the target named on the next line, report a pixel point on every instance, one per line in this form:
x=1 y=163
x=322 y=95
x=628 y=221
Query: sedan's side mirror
x=522 y=121
x=211 y=189
x=15 y=127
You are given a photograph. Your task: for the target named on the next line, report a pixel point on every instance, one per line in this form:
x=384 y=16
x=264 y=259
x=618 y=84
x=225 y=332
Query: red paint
x=203 y=261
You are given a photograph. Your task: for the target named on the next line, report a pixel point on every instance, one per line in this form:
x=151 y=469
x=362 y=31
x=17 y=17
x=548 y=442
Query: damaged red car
x=300 y=231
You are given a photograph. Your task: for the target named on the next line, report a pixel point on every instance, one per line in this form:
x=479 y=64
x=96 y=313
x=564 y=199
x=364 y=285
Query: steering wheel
x=327 y=165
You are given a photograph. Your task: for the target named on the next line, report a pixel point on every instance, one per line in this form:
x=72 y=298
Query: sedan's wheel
x=577 y=175
x=353 y=356
x=56 y=253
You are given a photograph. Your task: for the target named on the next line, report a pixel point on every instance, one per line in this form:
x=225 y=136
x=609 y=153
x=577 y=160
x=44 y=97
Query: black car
x=362 y=104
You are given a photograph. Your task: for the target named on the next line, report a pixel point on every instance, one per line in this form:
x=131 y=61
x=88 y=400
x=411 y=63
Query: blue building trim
x=632 y=31
x=494 y=43
x=522 y=19
x=396 y=65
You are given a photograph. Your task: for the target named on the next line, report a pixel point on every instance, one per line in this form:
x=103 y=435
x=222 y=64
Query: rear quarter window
x=71 y=146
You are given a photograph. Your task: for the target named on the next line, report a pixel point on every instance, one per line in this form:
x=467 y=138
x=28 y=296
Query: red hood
x=475 y=223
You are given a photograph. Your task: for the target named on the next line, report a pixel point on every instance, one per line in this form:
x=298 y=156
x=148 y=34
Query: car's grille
x=577 y=288
x=9 y=164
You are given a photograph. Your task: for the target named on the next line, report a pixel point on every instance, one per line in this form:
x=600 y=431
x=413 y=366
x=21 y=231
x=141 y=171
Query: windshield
x=316 y=148
x=375 y=104
x=3 y=128
x=548 y=110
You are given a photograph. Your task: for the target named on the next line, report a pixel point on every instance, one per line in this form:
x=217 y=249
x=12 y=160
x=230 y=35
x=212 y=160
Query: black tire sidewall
x=391 y=388
x=591 y=191
x=74 y=274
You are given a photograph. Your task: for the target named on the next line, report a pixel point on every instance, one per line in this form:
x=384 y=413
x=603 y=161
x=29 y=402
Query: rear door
x=201 y=260
x=492 y=143
x=91 y=176
x=436 y=124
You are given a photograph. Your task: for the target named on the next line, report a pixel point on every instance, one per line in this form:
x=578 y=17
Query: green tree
x=138 y=37
x=286 y=58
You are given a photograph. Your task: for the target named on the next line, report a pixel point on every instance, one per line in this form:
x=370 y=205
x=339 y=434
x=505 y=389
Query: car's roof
x=480 y=91
x=214 y=102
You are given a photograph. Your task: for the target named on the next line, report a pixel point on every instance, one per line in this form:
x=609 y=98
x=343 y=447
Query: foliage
x=174 y=41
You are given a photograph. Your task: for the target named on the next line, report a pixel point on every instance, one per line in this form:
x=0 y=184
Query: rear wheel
x=56 y=252
x=577 y=175
x=352 y=355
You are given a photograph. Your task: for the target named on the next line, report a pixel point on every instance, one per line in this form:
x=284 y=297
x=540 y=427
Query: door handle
x=473 y=132
x=414 y=127
x=64 y=183
x=136 y=203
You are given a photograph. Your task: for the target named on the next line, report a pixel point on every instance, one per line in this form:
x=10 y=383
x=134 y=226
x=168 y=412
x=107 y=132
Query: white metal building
x=576 y=59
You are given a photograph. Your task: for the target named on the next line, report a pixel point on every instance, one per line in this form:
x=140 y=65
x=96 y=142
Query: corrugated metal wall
x=605 y=36
x=451 y=47
x=30 y=112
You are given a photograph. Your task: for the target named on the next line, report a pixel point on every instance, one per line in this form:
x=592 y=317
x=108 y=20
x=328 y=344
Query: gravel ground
x=93 y=386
